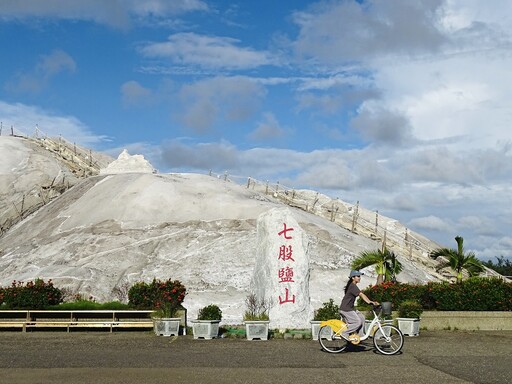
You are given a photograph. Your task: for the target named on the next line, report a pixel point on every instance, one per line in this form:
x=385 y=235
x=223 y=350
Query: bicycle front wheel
x=331 y=342
x=389 y=340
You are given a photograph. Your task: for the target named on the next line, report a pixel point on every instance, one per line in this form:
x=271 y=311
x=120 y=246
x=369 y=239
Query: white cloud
x=267 y=129
x=119 y=14
x=443 y=65
x=343 y=31
x=203 y=102
x=56 y=62
x=463 y=96
x=133 y=93
x=25 y=118
x=206 y=51
x=431 y=223
x=164 y=7
x=382 y=126
x=177 y=154
x=111 y=13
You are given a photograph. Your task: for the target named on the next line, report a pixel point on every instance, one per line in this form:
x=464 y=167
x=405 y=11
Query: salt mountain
x=98 y=235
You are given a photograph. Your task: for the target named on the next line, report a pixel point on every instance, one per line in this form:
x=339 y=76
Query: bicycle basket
x=386 y=308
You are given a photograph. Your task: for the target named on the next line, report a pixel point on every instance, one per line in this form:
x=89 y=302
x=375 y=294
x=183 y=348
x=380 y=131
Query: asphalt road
x=142 y=357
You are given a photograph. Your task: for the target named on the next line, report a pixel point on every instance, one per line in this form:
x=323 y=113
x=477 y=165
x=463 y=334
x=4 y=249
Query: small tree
x=386 y=264
x=458 y=260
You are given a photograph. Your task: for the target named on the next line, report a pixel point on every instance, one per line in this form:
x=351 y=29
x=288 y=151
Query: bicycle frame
x=338 y=326
x=374 y=322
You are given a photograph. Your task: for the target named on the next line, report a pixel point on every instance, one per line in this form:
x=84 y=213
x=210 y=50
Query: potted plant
x=256 y=318
x=409 y=313
x=165 y=321
x=207 y=324
x=165 y=298
x=327 y=311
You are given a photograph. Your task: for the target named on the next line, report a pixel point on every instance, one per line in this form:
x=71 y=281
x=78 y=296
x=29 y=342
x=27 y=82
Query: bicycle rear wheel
x=390 y=341
x=329 y=341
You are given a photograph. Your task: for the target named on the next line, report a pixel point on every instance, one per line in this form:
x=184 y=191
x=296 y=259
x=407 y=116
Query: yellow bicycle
x=387 y=338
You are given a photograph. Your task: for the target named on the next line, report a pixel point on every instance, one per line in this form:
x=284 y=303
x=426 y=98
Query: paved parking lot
x=142 y=357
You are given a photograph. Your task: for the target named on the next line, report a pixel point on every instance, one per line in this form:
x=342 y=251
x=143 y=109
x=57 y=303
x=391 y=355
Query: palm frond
x=366 y=259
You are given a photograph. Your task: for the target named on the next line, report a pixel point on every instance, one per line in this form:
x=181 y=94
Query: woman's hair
x=348 y=284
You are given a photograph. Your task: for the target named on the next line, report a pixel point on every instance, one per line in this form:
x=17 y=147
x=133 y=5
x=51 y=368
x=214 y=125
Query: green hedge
x=88 y=305
x=473 y=294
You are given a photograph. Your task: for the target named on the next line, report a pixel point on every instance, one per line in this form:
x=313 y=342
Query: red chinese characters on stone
x=285 y=253
x=287 y=298
x=285 y=275
x=285 y=231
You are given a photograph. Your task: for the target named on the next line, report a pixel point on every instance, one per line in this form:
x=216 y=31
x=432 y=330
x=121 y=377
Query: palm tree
x=458 y=260
x=386 y=264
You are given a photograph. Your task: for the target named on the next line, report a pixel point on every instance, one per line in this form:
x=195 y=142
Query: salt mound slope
x=26 y=173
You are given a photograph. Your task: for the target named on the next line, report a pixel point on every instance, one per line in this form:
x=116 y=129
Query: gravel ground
x=142 y=357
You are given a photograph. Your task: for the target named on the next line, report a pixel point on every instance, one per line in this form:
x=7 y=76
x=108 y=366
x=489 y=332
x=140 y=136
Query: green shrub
x=165 y=297
x=210 y=312
x=410 y=309
x=36 y=294
x=473 y=294
x=327 y=311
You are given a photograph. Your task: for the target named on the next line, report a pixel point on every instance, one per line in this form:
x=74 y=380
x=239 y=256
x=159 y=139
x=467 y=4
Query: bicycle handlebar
x=376 y=308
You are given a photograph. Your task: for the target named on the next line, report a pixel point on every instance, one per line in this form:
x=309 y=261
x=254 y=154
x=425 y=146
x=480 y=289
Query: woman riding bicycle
x=353 y=318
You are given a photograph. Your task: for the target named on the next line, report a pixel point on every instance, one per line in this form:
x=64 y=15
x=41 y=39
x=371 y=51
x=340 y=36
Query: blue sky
x=402 y=105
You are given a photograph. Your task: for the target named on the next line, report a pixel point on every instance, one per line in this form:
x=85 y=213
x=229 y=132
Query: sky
x=401 y=105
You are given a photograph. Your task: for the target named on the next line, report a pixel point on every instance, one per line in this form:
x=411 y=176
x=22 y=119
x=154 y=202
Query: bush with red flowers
x=165 y=297
x=36 y=294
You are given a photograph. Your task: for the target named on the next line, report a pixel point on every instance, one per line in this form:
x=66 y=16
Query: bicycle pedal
x=354 y=339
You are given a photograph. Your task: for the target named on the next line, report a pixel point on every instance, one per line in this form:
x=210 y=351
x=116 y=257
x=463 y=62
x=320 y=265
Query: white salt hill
x=129 y=224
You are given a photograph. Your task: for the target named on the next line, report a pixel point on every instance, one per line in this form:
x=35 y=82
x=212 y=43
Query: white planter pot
x=315 y=328
x=256 y=330
x=167 y=326
x=205 y=329
x=409 y=326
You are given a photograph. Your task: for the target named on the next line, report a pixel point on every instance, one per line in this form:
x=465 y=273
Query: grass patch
x=87 y=305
